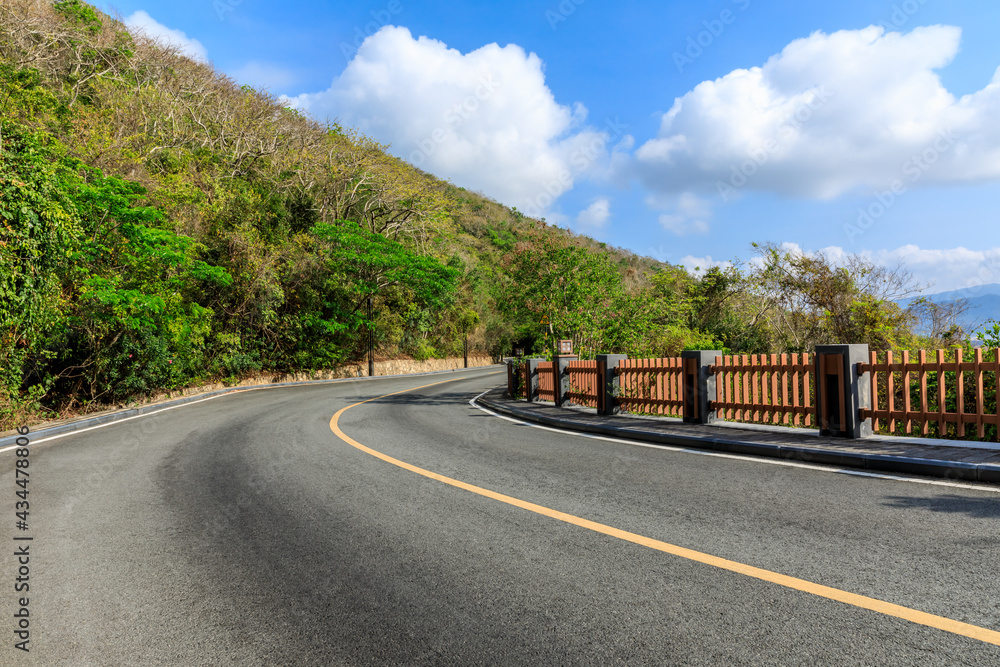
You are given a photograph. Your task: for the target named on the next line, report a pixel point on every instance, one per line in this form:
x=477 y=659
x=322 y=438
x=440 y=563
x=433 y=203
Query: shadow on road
x=980 y=508
x=437 y=398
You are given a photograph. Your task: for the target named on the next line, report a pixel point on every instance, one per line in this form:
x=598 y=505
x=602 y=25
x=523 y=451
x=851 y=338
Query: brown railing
x=764 y=389
x=931 y=397
x=547 y=381
x=652 y=386
x=582 y=383
x=935 y=392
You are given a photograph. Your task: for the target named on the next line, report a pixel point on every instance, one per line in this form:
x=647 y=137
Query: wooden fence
x=926 y=396
x=583 y=383
x=764 y=389
x=547 y=381
x=908 y=395
x=652 y=386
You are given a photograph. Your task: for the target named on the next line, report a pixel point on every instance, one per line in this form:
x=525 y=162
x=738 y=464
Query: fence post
x=531 y=391
x=560 y=365
x=699 y=385
x=607 y=383
x=513 y=376
x=841 y=392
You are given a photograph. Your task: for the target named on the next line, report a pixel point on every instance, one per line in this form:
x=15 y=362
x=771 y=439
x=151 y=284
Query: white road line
x=125 y=419
x=202 y=400
x=740 y=457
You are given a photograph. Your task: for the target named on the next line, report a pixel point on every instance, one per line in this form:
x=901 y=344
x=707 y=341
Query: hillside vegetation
x=161 y=226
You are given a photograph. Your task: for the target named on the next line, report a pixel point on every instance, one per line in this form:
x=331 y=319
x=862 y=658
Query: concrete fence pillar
x=531 y=390
x=841 y=392
x=560 y=364
x=608 y=385
x=514 y=376
x=699 y=385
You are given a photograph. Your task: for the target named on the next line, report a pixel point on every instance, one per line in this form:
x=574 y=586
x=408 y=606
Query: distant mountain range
x=984 y=304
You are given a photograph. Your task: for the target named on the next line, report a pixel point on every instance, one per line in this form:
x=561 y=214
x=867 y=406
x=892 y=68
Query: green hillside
x=162 y=226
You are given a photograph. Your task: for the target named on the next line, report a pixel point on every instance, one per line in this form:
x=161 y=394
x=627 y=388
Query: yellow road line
x=880 y=606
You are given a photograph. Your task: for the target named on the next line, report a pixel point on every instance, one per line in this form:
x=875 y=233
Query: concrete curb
x=88 y=422
x=957 y=470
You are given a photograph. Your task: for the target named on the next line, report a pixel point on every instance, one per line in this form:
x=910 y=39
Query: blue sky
x=681 y=130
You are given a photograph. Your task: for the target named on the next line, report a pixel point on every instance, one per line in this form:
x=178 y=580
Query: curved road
x=244 y=530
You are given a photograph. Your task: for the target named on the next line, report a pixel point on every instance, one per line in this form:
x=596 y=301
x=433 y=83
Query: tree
x=467 y=321
x=364 y=184
x=578 y=292
x=940 y=321
x=134 y=289
x=807 y=299
x=37 y=223
x=368 y=265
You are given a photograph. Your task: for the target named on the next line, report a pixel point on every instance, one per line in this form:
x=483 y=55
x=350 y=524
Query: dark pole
x=371 y=340
x=465 y=350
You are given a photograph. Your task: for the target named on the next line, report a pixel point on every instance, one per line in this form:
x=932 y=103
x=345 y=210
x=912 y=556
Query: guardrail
x=547 y=381
x=931 y=394
x=844 y=390
x=764 y=390
x=652 y=386
x=583 y=383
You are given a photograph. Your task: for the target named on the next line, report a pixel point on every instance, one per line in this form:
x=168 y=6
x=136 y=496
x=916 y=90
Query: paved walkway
x=920 y=456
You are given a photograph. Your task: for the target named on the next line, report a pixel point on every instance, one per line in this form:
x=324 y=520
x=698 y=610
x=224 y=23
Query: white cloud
x=484 y=119
x=942 y=269
x=829 y=114
x=595 y=215
x=681 y=226
x=146 y=24
x=689 y=213
x=698 y=266
x=265 y=76
x=946 y=269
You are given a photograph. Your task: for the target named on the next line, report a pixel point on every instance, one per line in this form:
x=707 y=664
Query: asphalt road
x=243 y=530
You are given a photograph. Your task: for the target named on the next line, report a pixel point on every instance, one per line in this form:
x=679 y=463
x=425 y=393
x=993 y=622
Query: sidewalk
x=952 y=459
